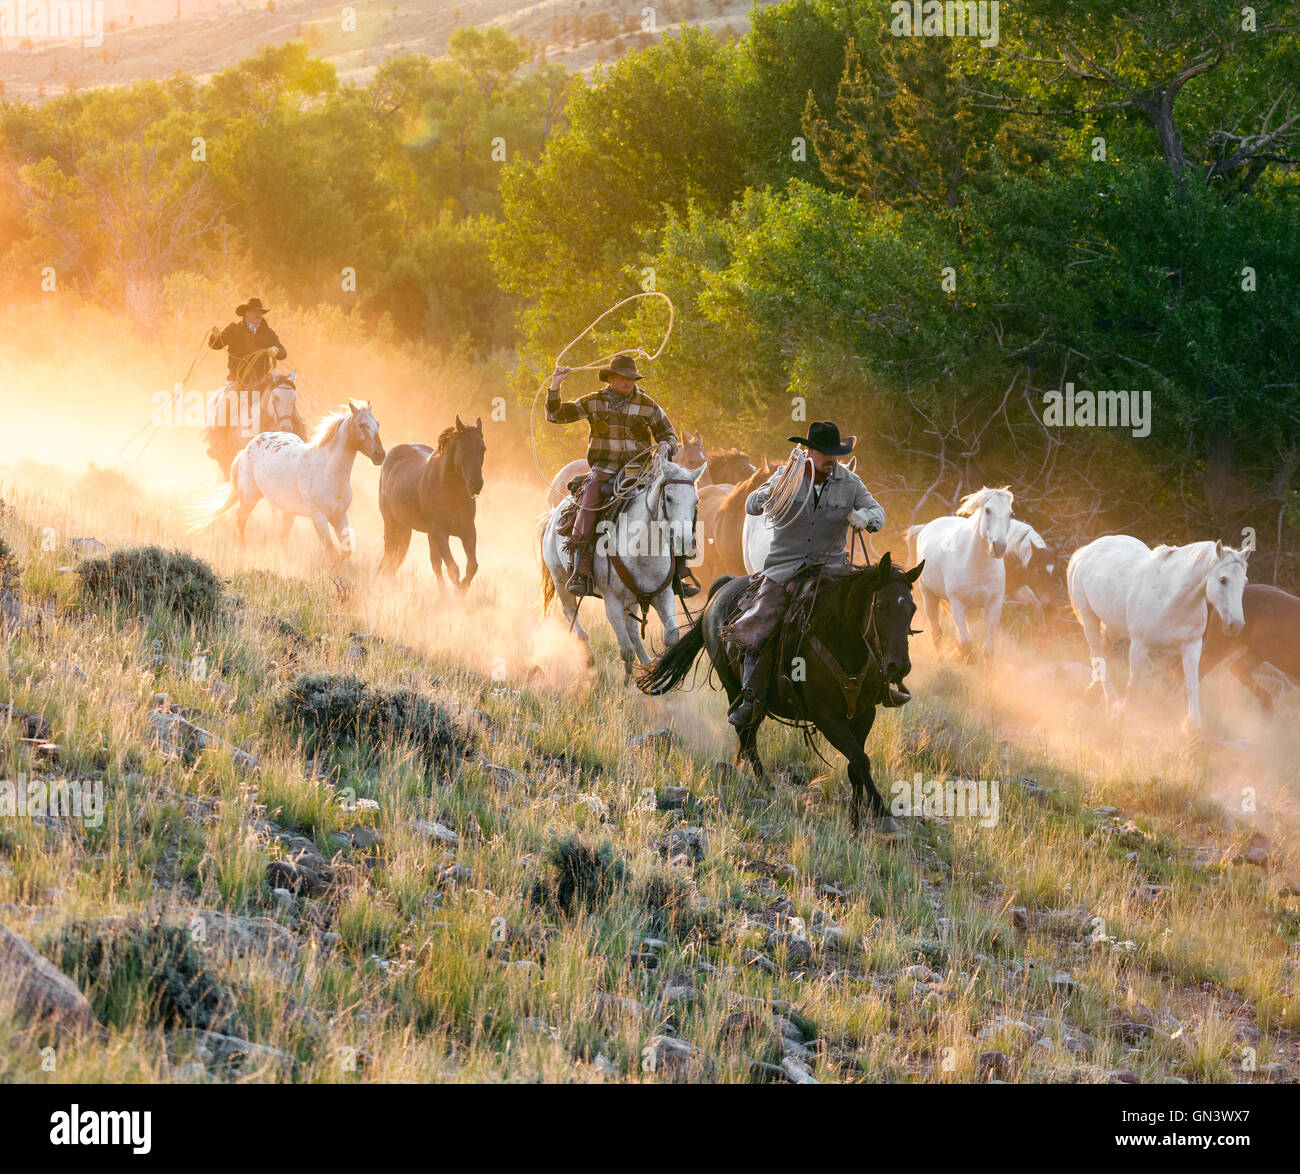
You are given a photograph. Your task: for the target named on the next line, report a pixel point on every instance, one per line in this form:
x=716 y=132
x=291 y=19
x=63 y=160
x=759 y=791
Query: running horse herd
x=773 y=545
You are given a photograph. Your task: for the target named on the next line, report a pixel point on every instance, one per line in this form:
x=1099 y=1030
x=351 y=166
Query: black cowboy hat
x=825 y=438
x=623 y=365
x=251 y=304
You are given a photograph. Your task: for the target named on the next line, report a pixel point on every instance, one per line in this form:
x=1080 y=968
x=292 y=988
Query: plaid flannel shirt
x=621 y=425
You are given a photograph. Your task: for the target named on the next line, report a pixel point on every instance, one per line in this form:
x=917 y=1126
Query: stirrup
x=580 y=583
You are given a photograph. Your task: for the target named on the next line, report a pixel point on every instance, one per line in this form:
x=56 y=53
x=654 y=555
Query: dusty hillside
x=546 y=887
x=148 y=39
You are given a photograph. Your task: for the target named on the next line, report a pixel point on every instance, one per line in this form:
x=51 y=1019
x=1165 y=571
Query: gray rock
x=433 y=830
x=38 y=990
x=661 y=739
x=797 y=1071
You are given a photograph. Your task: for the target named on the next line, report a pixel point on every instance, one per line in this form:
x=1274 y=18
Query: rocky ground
x=331 y=849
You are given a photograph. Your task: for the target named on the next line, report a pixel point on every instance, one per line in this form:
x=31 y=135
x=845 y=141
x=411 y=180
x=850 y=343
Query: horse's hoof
x=886 y=825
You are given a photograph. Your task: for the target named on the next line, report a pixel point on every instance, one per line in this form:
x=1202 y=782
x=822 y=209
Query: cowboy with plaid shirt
x=624 y=421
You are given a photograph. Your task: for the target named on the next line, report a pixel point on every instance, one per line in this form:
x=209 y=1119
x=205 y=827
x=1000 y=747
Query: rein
x=645 y=598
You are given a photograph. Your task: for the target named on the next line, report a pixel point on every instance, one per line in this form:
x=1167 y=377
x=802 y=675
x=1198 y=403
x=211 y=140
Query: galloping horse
x=433 y=491
x=1271 y=636
x=963 y=563
x=313 y=480
x=1158 y=599
x=652 y=530
x=856 y=636
x=272 y=410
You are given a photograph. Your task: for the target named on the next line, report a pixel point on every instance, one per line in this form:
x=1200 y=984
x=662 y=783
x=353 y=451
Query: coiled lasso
x=637 y=352
x=792 y=492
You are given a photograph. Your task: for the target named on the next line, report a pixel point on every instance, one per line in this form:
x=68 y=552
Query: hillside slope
x=539 y=891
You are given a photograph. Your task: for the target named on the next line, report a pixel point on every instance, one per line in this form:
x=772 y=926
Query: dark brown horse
x=855 y=646
x=433 y=491
x=1271 y=636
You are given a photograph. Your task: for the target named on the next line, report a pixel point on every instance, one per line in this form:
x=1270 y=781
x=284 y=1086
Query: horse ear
x=459 y=426
x=698 y=473
x=1218 y=548
x=479 y=423
x=353 y=404
x=885 y=564
x=915 y=573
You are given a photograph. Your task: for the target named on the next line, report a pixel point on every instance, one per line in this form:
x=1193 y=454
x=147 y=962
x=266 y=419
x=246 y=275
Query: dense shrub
x=122 y=963
x=330 y=712
x=149 y=577
x=578 y=873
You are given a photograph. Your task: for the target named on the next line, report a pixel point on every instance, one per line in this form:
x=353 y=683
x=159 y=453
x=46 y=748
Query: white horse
x=656 y=526
x=312 y=479
x=1158 y=599
x=963 y=563
x=756 y=541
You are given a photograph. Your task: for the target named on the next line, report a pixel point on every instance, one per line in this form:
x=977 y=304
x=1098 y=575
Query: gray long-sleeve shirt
x=817 y=535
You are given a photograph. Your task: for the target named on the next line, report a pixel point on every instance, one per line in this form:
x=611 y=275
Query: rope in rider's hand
x=793 y=489
x=637 y=352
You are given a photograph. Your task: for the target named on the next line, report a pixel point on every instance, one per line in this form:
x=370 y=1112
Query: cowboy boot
x=685 y=583
x=580 y=582
x=748 y=706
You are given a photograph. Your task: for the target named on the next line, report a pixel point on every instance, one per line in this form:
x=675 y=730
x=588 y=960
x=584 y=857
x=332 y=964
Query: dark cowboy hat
x=623 y=365
x=825 y=438
x=251 y=304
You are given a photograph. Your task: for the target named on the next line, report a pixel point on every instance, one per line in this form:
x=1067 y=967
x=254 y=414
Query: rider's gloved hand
x=868 y=520
x=214 y=337
x=279 y=352
x=558 y=376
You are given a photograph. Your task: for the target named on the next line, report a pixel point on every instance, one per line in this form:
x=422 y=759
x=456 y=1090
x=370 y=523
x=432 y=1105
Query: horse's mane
x=1196 y=552
x=844 y=596
x=444 y=438
x=327 y=426
x=972 y=501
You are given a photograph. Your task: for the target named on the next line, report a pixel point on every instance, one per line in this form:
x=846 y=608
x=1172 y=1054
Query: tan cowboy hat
x=251 y=304
x=623 y=365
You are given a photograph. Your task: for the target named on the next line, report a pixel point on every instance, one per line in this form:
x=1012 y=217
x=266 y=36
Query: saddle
x=608 y=511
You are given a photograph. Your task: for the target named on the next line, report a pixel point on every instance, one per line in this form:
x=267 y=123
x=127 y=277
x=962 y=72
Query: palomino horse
x=963 y=563
x=856 y=637
x=248 y=413
x=433 y=491
x=1271 y=636
x=1158 y=599
x=313 y=480
x=654 y=528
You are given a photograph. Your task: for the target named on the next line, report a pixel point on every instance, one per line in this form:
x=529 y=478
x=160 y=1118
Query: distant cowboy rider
x=624 y=421
x=816 y=536
x=247 y=368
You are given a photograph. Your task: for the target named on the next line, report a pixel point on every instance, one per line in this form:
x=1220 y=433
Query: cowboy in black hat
x=251 y=347
x=816 y=536
x=624 y=421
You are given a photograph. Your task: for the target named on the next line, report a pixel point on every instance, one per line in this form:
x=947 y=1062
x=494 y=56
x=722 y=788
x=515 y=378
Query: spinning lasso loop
x=156 y=424
x=638 y=352
x=792 y=492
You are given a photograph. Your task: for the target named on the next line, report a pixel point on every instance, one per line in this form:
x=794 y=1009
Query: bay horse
x=1271 y=636
x=1159 y=599
x=434 y=491
x=724 y=535
x=654 y=528
x=855 y=646
x=312 y=479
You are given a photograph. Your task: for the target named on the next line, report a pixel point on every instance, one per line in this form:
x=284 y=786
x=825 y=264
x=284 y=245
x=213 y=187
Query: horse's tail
x=209 y=506
x=913 y=533
x=548 y=583
x=671 y=668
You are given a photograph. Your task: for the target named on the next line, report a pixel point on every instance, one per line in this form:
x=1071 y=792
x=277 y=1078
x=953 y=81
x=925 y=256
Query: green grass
x=530 y=960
